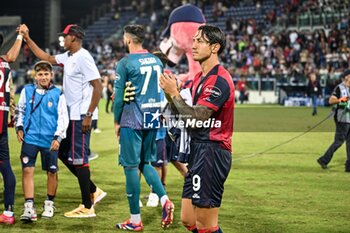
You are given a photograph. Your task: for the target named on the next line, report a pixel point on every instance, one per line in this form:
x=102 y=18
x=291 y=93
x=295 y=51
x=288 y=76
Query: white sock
x=135 y=218
x=8 y=213
x=163 y=199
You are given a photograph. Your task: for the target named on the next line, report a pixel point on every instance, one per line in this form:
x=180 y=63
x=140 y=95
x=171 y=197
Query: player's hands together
x=129 y=92
x=343 y=99
x=20 y=136
x=23 y=30
x=86 y=125
x=168 y=83
x=54 y=145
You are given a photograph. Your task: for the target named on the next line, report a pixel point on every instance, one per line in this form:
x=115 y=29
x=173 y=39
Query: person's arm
x=13 y=52
x=335 y=97
x=198 y=112
x=62 y=123
x=96 y=94
x=19 y=116
x=334 y=100
x=12 y=104
x=38 y=52
x=119 y=90
x=119 y=86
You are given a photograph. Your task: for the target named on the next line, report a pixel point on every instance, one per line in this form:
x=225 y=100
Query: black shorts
x=161 y=154
x=209 y=167
x=4 y=147
x=29 y=153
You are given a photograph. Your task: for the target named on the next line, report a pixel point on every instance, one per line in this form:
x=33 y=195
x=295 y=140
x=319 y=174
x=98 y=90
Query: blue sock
x=153 y=180
x=132 y=188
x=9 y=184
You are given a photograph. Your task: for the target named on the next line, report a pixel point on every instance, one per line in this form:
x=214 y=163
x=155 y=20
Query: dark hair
x=214 y=35
x=136 y=31
x=1 y=39
x=162 y=57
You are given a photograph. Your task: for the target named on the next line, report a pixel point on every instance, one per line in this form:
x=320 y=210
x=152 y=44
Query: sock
x=210 y=230
x=83 y=174
x=192 y=228
x=73 y=170
x=9 y=184
x=218 y=231
x=132 y=189
x=163 y=199
x=153 y=180
x=135 y=218
x=50 y=197
x=8 y=213
x=29 y=199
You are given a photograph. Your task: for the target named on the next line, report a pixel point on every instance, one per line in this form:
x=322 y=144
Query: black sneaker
x=322 y=164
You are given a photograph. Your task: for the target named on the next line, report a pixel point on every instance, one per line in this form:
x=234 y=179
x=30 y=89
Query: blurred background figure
x=313 y=90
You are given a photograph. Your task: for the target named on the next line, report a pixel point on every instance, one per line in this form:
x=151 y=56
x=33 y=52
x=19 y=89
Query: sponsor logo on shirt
x=212 y=90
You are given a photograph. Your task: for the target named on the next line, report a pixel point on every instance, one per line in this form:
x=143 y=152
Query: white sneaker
x=29 y=213
x=140 y=204
x=49 y=209
x=97 y=130
x=93 y=156
x=153 y=200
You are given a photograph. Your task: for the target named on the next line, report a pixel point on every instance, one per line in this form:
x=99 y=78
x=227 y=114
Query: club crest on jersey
x=25 y=159
x=49 y=104
x=117 y=77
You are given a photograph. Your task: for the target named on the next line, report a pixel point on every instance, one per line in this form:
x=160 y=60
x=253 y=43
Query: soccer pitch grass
x=283 y=190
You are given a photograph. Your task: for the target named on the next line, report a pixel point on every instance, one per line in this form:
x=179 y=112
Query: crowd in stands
x=252 y=50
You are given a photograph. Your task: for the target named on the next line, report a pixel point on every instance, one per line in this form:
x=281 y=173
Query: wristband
x=19 y=37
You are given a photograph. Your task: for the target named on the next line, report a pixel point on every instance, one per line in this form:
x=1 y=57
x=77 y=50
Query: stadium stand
x=272 y=43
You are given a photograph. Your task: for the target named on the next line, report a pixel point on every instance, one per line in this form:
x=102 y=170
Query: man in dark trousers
x=340 y=97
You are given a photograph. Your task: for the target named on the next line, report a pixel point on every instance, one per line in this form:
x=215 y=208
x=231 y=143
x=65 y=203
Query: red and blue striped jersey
x=215 y=91
x=5 y=77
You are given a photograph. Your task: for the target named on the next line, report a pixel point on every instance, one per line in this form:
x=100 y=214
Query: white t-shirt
x=79 y=69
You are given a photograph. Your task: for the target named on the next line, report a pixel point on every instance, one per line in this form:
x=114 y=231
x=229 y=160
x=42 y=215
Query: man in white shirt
x=82 y=89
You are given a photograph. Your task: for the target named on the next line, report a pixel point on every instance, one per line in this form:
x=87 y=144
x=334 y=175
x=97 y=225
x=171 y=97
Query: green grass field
x=283 y=190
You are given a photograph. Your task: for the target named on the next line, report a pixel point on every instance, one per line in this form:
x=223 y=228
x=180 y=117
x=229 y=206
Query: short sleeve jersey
x=143 y=70
x=5 y=76
x=215 y=91
x=78 y=69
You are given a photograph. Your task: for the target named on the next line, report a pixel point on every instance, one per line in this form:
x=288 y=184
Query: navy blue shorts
x=161 y=154
x=29 y=153
x=74 y=149
x=4 y=147
x=209 y=167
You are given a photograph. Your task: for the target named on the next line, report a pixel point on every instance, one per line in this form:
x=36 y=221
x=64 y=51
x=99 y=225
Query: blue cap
x=184 y=13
